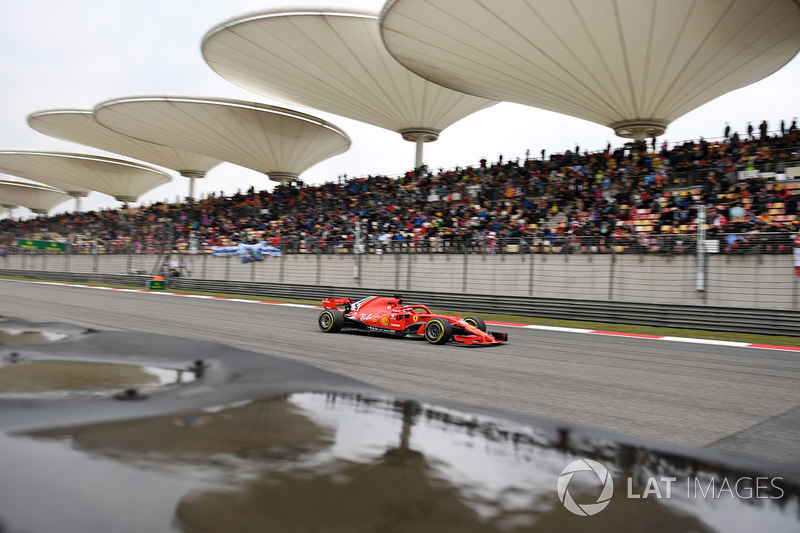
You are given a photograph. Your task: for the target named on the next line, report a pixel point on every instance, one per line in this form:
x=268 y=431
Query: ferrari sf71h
x=391 y=315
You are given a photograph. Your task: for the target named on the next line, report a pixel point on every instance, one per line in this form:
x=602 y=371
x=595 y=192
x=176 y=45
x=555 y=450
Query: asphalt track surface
x=740 y=400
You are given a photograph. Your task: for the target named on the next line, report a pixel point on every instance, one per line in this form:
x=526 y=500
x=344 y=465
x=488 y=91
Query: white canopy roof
x=37 y=198
x=80 y=173
x=276 y=141
x=334 y=62
x=632 y=65
x=80 y=126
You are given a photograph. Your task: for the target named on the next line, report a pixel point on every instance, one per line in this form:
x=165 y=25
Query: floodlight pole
x=78 y=195
x=171 y=226
x=639 y=130
x=701 y=250
x=419 y=136
x=358 y=249
x=192 y=175
x=284 y=178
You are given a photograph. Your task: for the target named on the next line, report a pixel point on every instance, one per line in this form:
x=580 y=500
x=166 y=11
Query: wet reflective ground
x=75 y=379
x=310 y=462
x=24 y=337
x=23 y=375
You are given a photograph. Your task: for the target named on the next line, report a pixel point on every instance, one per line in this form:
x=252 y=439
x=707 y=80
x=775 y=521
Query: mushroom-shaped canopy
x=632 y=65
x=334 y=62
x=38 y=198
x=76 y=173
x=79 y=126
x=276 y=141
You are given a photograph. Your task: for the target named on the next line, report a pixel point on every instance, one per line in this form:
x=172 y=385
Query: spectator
x=446 y=210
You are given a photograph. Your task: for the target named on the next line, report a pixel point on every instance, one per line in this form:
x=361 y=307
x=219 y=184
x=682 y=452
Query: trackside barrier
x=735 y=280
x=742 y=320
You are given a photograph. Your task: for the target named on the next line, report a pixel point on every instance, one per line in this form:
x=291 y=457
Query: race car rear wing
x=334 y=303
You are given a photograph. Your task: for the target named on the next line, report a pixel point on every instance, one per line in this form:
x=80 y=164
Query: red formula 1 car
x=391 y=315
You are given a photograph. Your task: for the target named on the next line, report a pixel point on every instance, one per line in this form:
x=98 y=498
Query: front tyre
x=331 y=320
x=438 y=331
x=476 y=321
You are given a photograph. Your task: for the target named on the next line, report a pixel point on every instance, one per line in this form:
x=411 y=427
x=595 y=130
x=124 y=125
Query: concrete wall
x=732 y=280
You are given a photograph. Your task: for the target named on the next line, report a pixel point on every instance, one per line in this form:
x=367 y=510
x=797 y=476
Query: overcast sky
x=77 y=53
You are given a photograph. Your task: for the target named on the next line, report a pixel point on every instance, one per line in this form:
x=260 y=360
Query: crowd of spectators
x=638 y=197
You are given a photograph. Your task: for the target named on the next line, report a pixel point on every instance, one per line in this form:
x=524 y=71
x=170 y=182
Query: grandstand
x=603 y=202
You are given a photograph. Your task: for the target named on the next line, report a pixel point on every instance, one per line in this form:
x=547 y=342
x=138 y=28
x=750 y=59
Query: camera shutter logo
x=584 y=465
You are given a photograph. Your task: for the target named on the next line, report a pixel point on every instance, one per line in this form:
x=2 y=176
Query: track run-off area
x=735 y=397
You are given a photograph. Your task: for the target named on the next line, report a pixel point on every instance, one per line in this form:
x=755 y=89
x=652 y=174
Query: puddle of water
x=28 y=337
x=74 y=379
x=331 y=462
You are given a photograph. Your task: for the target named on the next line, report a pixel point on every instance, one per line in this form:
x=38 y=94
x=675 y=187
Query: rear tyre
x=476 y=321
x=438 y=331
x=331 y=320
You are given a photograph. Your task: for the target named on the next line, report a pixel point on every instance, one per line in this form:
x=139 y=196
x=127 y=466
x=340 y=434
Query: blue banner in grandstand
x=223 y=251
